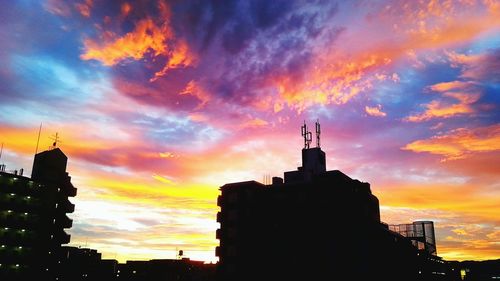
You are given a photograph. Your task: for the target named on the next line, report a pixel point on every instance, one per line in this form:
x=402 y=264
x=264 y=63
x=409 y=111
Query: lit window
x=9 y=211
x=25 y=214
x=20 y=247
x=28 y=197
x=3 y=246
x=6 y=228
x=12 y=194
x=17 y=265
x=23 y=230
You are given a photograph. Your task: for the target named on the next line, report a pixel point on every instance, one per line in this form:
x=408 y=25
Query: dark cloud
x=240 y=47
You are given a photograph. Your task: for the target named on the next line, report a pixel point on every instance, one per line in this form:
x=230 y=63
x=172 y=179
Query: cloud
x=460 y=143
x=442 y=109
x=146 y=37
x=57 y=7
x=375 y=111
x=286 y=53
x=465 y=92
x=192 y=88
x=254 y=123
x=84 y=8
x=180 y=56
x=480 y=67
x=172 y=97
x=448 y=86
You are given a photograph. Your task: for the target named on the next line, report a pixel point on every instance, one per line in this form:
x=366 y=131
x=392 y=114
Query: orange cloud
x=339 y=75
x=463 y=200
x=254 y=123
x=192 y=88
x=179 y=57
x=166 y=155
x=460 y=143
x=447 y=86
x=146 y=37
x=331 y=82
x=375 y=111
x=84 y=8
x=438 y=109
x=457 y=59
x=126 y=8
x=441 y=109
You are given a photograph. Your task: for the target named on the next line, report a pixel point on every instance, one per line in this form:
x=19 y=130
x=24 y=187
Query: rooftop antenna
x=318 y=133
x=38 y=140
x=2 y=166
x=307 y=136
x=55 y=138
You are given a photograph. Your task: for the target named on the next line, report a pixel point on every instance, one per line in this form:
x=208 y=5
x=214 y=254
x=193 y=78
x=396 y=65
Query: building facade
x=33 y=217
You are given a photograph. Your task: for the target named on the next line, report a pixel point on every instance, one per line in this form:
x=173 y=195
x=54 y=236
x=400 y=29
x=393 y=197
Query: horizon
x=159 y=103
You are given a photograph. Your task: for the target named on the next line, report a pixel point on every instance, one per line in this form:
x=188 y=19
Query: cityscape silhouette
x=249 y=140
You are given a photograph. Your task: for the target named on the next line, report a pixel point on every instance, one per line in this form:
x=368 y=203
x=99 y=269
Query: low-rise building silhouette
x=313 y=225
x=33 y=217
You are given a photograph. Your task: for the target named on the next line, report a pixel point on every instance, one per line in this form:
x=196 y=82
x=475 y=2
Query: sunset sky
x=159 y=103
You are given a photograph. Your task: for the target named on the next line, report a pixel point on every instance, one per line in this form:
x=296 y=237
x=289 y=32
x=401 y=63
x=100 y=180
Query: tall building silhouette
x=33 y=217
x=313 y=225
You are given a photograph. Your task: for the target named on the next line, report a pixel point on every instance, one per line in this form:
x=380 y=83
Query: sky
x=159 y=103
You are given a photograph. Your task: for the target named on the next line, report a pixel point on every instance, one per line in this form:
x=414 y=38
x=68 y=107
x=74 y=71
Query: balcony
x=67 y=206
x=65 y=222
x=63 y=237
x=70 y=190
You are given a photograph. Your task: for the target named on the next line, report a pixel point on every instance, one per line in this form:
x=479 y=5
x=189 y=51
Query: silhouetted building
x=83 y=264
x=33 y=217
x=166 y=269
x=477 y=270
x=313 y=225
x=75 y=264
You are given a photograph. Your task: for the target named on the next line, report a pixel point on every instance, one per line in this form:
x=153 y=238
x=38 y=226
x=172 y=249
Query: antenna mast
x=318 y=133
x=1 y=150
x=307 y=135
x=56 y=140
x=38 y=140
